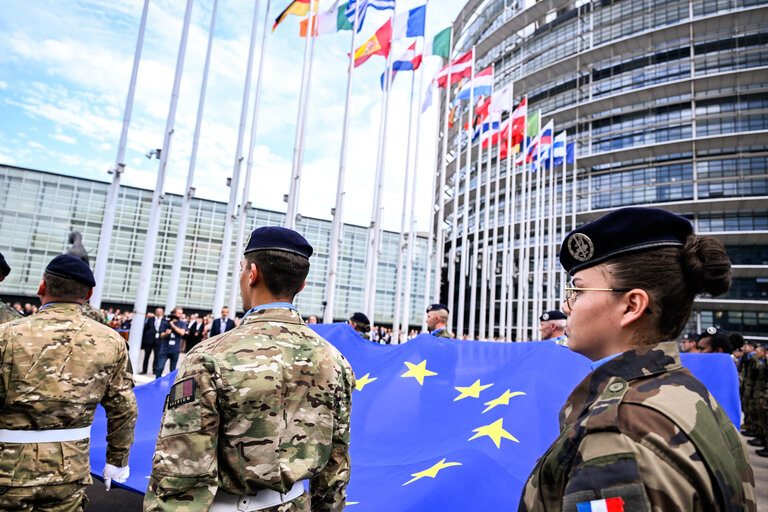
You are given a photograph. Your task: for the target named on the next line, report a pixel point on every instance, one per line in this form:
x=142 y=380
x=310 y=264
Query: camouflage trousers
x=69 y=497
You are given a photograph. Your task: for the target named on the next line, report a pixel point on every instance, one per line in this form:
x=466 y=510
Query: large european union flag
x=438 y=424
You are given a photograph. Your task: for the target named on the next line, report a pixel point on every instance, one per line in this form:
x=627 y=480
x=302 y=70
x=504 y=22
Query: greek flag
x=363 y=5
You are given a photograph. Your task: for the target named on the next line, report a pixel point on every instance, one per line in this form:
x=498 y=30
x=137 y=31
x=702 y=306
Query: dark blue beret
x=360 y=318
x=711 y=331
x=555 y=314
x=437 y=307
x=275 y=238
x=4 y=268
x=71 y=267
x=620 y=232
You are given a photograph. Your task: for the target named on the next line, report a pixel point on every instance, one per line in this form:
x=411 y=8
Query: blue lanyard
x=270 y=305
x=438 y=330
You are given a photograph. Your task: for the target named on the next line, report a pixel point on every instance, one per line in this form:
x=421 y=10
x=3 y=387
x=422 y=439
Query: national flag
x=459 y=68
x=328 y=22
x=378 y=44
x=409 y=24
x=570 y=153
x=490 y=128
x=558 y=149
x=362 y=6
x=433 y=415
x=428 y=97
x=533 y=125
x=441 y=44
x=408 y=61
x=545 y=140
x=607 y=505
x=517 y=131
x=501 y=100
x=481 y=85
x=297 y=7
x=452 y=116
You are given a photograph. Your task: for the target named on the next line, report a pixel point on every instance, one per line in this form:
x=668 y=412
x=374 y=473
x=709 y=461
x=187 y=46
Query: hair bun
x=706 y=265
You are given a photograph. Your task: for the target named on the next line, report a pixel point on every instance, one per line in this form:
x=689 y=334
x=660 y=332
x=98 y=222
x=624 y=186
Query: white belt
x=225 y=502
x=45 y=436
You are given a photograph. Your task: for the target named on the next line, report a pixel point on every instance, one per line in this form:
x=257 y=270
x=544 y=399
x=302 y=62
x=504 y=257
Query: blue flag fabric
x=434 y=416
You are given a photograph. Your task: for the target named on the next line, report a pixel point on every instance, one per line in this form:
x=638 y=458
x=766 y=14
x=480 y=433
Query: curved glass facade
x=667 y=103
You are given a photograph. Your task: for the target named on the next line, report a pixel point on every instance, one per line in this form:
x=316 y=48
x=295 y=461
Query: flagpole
x=374 y=232
x=509 y=229
x=148 y=256
x=440 y=232
x=189 y=191
x=562 y=208
x=483 y=334
x=298 y=142
x=465 y=230
x=453 y=299
x=551 y=286
x=538 y=240
x=234 y=285
x=506 y=249
x=336 y=226
x=110 y=206
x=412 y=222
x=431 y=252
x=525 y=239
x=401 y=239
x=226 y=244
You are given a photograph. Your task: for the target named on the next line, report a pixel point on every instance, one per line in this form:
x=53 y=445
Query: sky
x=64 y=75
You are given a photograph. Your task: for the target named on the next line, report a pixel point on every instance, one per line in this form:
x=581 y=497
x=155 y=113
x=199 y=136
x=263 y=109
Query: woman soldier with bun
x=640 y=433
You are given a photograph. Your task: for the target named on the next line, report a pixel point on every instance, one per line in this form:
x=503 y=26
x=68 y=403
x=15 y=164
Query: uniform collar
x=61 y=306
x=275 y=312
x=438 y=330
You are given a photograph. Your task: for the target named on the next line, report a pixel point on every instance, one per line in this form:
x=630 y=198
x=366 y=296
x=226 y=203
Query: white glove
x=119 y=475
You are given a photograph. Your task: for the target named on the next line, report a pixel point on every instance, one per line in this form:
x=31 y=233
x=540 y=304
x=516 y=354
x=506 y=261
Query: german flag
x=297 y=7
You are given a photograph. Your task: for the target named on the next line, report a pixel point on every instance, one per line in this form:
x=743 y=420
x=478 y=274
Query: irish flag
x=328 y=22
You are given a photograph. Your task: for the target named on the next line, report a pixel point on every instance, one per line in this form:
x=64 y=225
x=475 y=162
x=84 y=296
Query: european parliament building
x=667 y=103
x=38 y=210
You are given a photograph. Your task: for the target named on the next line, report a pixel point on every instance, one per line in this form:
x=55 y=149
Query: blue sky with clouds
x=64 y=73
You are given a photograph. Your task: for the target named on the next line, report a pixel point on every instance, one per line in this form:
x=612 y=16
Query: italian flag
x=328 y=22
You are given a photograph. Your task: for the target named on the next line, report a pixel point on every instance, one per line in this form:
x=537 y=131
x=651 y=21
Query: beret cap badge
x=581 y=247
x=711 y=330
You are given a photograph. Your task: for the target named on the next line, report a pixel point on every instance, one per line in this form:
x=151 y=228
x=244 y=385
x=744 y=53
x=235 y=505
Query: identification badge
x=172 y=342
x=157 y=335
x=181 y=393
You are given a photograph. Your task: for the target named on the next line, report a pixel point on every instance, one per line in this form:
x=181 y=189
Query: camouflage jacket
x=93 y=313
x=262 y=406
x=642 y=428
x=55 y=367
x=7 y=313
x=442 y=333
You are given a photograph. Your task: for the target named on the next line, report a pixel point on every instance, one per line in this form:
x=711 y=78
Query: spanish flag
x=297 y=7
x=378 y=44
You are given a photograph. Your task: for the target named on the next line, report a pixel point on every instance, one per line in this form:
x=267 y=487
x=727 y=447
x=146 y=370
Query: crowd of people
x=640 y=432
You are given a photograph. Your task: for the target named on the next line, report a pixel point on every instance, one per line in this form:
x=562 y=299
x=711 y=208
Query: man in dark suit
x=156 y=328
x=194 y=332
x=223 y=324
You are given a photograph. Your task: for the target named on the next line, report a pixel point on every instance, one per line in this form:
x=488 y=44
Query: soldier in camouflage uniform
x=437 y=321
x=640 y=432
x=259 y=411
x=55 y=368
x=755 y=411
x=6 y=313
x=361 y=325
x=750 y=370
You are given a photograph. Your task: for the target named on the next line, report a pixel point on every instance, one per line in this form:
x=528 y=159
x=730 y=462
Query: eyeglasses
x=571 y=294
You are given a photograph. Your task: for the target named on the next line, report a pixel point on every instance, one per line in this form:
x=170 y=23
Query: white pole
x=226 y=244
x=465 y=230
x=452 y=298
x=523 y=256
x=336 y=225
x=298 y=144
x=401 y=239
x=148 y=257
x=181 y=236
x=509 y=235
x=234 y=285
x=539 y=263
x=494 y=238
x=483 y=334
x=374 y=232
x=563 y=275
x=551 y=286
x=110 y=207
x=431 y=251
x=440 y=236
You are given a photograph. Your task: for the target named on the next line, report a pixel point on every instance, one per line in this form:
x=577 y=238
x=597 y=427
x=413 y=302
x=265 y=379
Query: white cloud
x=64 y=138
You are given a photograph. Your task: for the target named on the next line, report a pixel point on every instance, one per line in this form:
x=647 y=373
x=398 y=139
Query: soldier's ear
x=302 y=287
x=41 y=290
x=88 y=295
x=254 y=275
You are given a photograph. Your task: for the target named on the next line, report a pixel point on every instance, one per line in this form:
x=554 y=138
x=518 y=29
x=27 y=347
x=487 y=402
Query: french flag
x=408 y=61
x=481 y=84
x=609 y=505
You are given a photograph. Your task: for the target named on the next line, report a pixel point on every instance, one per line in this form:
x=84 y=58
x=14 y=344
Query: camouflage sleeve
x=650 y=466
x=185 y=466
x=328 y=488
x=119 y=402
